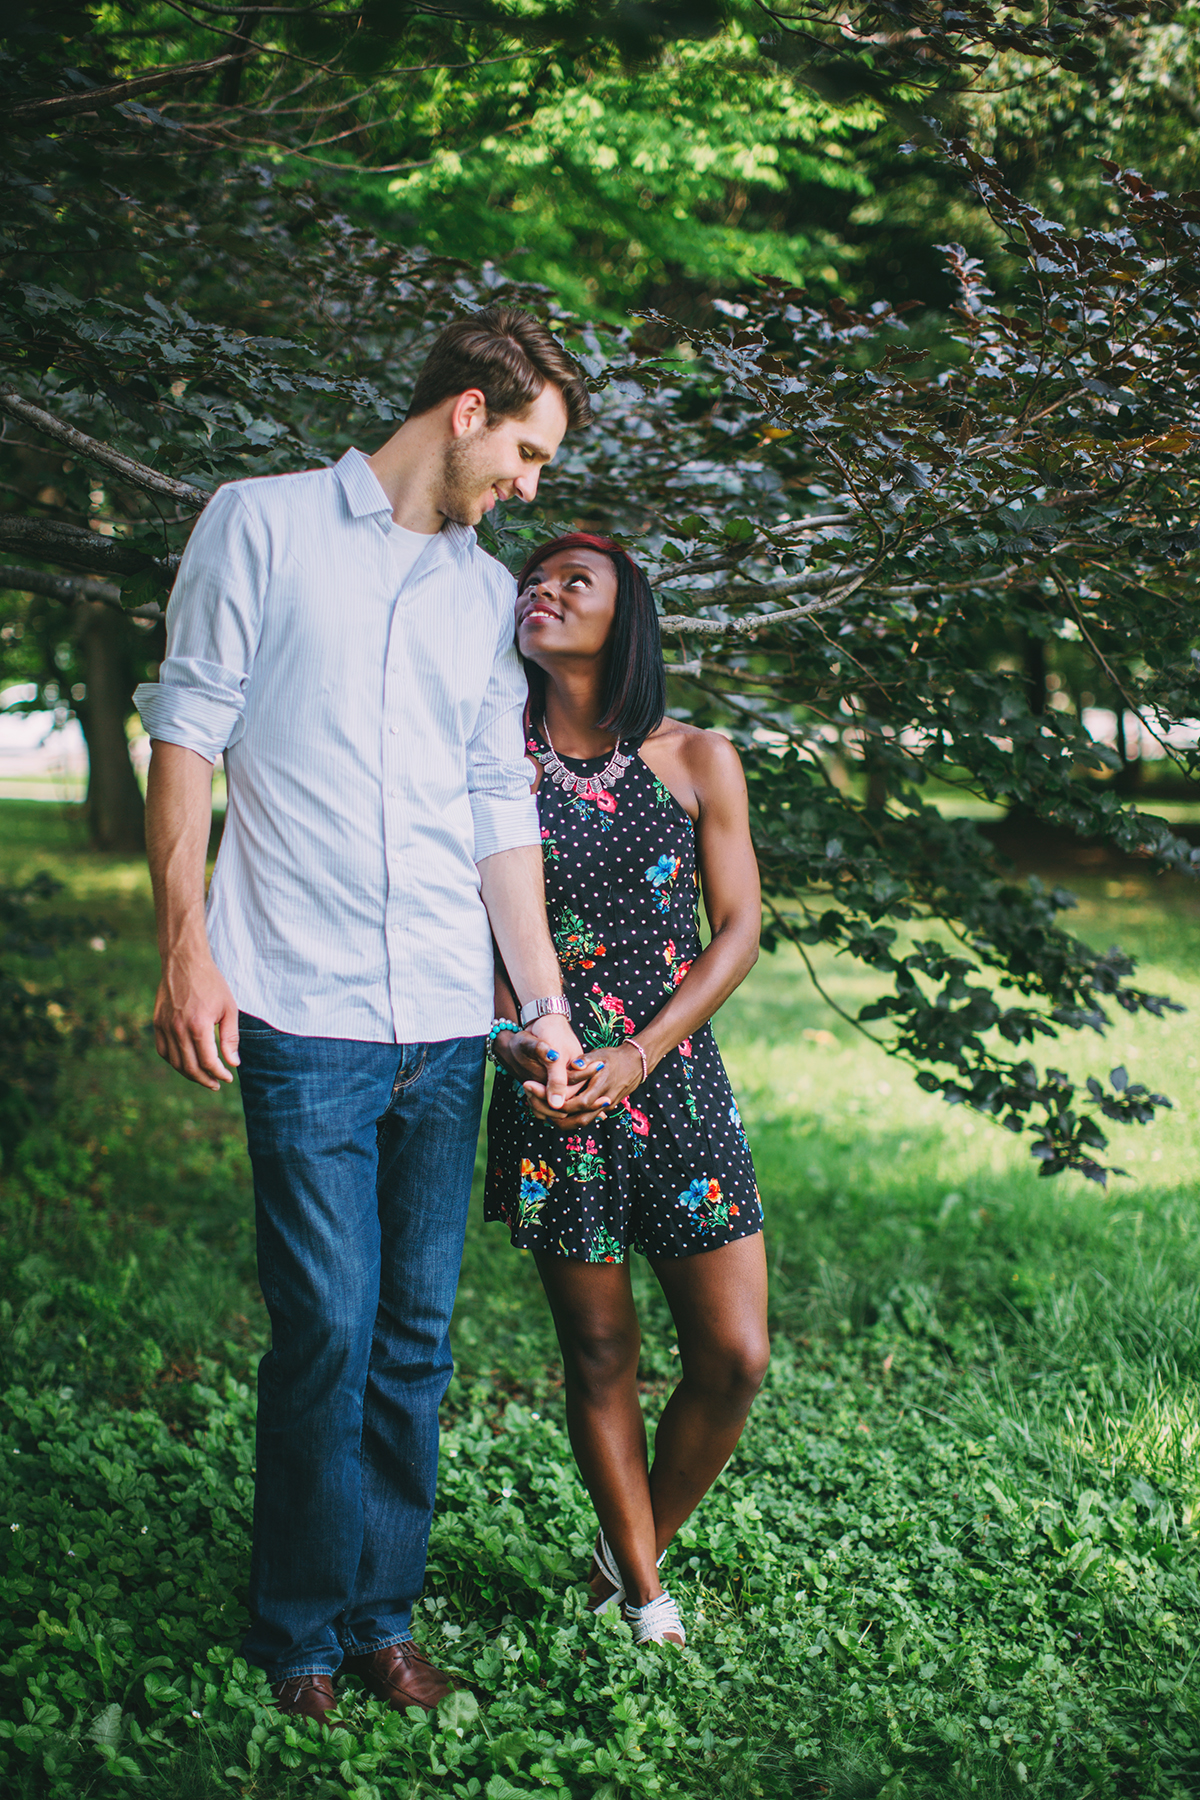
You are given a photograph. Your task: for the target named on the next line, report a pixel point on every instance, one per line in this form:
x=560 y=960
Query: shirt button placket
x=393 y=841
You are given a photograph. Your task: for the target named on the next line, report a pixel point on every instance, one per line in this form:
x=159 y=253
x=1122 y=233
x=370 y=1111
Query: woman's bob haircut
x=635 y=688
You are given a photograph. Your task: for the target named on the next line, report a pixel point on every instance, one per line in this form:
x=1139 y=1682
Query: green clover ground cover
x=955 y=1553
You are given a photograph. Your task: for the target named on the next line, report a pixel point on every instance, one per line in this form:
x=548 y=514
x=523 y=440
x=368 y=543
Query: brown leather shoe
x=402 y=1675
x=306 y=1697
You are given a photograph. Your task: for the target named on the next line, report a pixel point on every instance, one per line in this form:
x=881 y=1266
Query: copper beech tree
x=854 y=529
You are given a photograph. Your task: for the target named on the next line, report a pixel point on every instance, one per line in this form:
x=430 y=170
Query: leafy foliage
x=41 y=1025
x=862 y=1558
x=1136 y=104
x=906 y=518
x=899 y=50
x=615 y=192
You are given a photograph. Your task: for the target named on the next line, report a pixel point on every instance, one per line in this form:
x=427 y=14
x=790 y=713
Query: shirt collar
x=365 y=497
x=363 y=492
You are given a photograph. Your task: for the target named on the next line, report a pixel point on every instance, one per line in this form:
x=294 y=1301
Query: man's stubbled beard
x=464 y=485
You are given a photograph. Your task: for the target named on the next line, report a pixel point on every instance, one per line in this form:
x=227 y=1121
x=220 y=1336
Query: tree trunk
x=1033 y=671
x=1034 y=650
x=237 y=41
x=115 y=809
x=1128 y=778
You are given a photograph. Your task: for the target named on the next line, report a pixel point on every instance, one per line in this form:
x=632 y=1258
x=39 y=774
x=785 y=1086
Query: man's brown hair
x=509 y=356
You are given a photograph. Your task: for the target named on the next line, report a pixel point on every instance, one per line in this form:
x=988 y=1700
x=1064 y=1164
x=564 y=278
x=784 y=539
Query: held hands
x=194 y=1009
x=547 y=1057
x=592 y=1087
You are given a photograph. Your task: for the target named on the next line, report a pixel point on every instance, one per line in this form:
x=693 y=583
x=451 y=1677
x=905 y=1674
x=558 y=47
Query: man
x=340 y=637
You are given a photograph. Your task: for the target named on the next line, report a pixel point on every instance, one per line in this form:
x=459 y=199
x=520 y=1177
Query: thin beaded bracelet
x=497 y=1026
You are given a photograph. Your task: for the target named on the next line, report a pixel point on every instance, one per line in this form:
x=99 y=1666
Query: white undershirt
x=408 y=547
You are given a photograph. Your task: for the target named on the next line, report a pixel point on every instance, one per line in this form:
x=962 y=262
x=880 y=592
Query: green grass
x=955 y=1553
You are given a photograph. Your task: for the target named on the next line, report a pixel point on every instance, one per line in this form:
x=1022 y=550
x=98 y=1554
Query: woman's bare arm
x=730 y=886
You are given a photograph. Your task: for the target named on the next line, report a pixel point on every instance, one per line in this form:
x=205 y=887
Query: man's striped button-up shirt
x=373 y=752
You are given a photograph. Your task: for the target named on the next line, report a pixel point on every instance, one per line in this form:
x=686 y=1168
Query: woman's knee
x=731 y=1372
x=599 y=1359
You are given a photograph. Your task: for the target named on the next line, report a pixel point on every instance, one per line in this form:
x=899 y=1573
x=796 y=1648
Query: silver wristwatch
x=537 y=1009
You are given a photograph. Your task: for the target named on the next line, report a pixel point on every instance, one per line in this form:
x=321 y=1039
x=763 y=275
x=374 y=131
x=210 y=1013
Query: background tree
x=898 y=517
x=131 y=157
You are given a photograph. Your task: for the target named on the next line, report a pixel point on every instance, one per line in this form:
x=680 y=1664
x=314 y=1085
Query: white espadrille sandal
x=651 y=1623
x=606 y=1562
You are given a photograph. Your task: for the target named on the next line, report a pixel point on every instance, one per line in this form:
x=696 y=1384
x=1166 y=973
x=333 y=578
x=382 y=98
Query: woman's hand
x=521 y=1054
x=604 y=1085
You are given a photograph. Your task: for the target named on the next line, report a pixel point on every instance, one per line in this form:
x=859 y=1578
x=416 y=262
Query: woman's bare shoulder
x=704 y=754
x=701 y=768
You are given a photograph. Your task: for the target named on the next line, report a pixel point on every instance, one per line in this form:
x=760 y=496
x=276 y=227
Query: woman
x=637 y=812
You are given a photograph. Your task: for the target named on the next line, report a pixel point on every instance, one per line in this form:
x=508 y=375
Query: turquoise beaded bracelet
x=497 y=1026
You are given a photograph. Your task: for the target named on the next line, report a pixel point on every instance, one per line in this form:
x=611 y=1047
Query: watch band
x=537 y=1009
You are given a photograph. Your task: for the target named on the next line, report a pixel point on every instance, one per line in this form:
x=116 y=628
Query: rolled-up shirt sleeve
x=214 y=620
x=502 y=807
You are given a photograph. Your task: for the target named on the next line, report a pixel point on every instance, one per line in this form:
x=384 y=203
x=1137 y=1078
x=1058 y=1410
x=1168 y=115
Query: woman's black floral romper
x=670 y=1171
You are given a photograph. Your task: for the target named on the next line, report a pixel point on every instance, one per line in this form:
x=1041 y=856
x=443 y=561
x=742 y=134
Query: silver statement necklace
x=587 y=785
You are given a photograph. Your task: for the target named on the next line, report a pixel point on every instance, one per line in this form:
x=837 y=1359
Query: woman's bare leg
x=718 y=1300
x=598 y=1333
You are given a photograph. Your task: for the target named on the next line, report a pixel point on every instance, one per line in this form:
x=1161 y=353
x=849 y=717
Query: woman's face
x=566 y=606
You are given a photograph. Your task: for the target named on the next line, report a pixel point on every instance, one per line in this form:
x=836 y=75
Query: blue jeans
x=362 y=1156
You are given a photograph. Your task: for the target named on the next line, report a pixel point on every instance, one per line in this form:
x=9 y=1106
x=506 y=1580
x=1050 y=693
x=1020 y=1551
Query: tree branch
x=69 y=589
x=73 y=548
x=806 y=582
x=790 y=584
x=126 y=466
x=59 y=105
x=753 y=622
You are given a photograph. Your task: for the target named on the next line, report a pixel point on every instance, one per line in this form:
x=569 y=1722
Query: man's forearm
x=178 y=821
x=514 y=894
x=193 y=1008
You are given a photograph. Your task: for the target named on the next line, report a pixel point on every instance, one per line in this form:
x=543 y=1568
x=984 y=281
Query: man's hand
x=193 y=1008
x=562 y=1058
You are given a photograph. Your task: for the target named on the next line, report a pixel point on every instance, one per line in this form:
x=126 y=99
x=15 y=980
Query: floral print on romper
x=669 y=1172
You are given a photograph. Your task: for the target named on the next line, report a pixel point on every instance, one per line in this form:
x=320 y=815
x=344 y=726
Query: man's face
x=484 y=463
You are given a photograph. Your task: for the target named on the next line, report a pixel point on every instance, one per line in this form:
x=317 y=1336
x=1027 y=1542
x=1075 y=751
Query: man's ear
x=469 y=412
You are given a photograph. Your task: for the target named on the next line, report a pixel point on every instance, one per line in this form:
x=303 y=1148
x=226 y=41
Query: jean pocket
x=250 y=1027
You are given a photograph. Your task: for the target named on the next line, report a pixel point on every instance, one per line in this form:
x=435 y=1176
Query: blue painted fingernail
x=599 y=1065
x=552 y=1056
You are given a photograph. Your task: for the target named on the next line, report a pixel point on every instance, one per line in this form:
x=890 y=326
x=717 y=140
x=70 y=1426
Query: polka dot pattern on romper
x=669 y=1172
